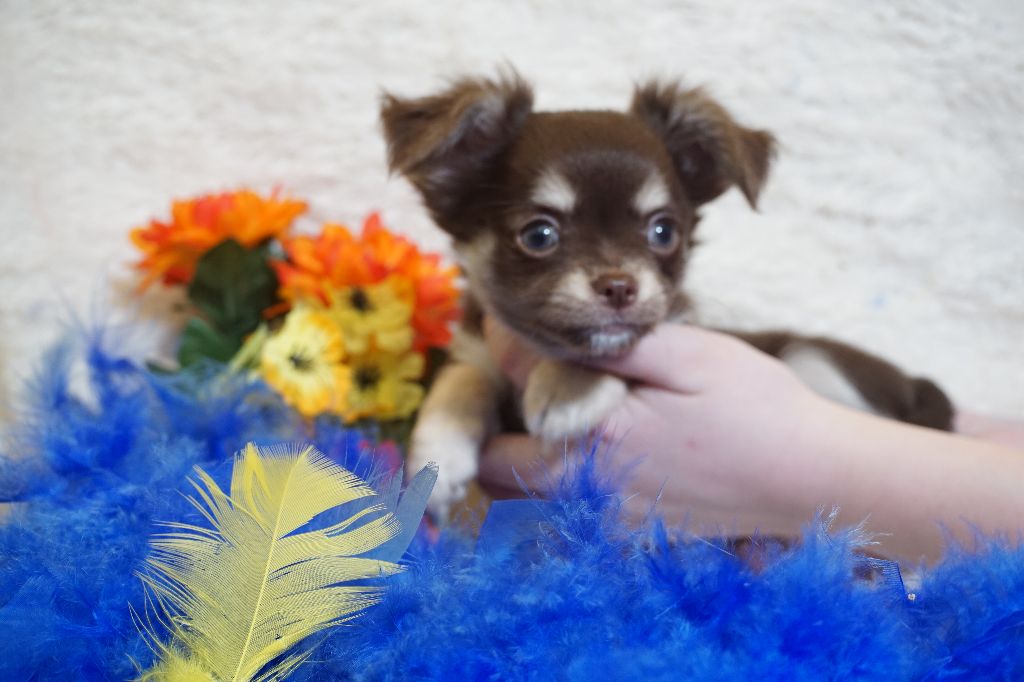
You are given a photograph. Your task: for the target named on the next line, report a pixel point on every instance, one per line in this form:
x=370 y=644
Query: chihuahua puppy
x=574 y=228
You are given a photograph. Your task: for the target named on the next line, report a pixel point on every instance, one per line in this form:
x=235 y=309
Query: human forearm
x=910 y=483
x=729 y=439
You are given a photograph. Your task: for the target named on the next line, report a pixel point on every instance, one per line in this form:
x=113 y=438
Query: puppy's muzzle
x=616 y=289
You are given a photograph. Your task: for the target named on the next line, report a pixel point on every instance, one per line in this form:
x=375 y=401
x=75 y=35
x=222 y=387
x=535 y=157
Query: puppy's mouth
x=578 y=333
x=606 y=340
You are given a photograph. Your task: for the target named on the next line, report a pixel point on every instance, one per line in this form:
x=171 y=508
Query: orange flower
x=172 y=250
x=331 y=260
x=335 y=259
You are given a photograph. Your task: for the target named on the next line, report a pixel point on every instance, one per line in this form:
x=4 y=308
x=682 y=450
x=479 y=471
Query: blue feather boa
x=551 y=589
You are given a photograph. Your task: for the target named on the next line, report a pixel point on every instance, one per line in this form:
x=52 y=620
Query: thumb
x=672 y=357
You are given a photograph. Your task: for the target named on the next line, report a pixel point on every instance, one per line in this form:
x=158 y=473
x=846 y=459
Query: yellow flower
x=375 y=314
x=337 y=258
x=303 y=362
x=384 y=385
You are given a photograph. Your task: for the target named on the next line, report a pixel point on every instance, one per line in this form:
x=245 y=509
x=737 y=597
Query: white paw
x=566 y=401
x=441 y=440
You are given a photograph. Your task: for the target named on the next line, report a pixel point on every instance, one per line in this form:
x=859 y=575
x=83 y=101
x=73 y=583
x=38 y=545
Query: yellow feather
x=240 y=596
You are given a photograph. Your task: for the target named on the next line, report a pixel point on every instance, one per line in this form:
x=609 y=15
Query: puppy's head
x=573 y=227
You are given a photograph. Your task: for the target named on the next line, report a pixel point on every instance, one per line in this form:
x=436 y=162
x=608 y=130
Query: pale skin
x=732 y=441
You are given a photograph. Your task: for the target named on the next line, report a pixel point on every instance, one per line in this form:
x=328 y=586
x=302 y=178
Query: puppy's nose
x=617 y=288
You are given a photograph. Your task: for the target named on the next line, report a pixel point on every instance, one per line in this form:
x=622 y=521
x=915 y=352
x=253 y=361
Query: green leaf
x=233 y=286
x=248 y=355
x=200 y=341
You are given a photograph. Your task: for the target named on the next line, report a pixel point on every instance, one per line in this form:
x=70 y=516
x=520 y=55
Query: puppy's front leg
x=458 y=415
x=563 y=400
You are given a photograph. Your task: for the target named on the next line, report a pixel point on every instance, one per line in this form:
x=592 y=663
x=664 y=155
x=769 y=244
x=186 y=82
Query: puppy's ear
x=710 y=150
x=445 y=144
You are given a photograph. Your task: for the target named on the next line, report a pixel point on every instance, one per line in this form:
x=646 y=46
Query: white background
x=894 y=219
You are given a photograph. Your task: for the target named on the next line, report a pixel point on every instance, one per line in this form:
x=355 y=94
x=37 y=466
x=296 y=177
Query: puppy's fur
x=574 y=229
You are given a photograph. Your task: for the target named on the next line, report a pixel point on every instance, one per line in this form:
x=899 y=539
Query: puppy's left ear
x=711 y=151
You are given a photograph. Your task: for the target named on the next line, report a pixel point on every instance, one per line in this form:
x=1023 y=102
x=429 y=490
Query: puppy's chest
x=469 y=347
x=510 y=412
x=560 y=399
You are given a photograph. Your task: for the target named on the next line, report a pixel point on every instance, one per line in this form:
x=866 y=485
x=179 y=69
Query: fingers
x=673 y=356
x=508 y=455
x=500 y=493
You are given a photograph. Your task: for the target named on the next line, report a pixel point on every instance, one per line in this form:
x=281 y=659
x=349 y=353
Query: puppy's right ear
x=445 y=144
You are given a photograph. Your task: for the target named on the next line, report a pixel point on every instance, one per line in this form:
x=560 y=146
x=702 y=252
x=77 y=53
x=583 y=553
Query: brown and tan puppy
x=574 y=229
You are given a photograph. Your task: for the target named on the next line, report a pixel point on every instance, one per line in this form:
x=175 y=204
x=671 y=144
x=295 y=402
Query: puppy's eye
x=539 y=237
x=662 y=234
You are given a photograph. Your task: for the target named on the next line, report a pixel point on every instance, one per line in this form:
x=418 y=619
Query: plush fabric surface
x=558 y=589
x=893 y=219
x=92 y=474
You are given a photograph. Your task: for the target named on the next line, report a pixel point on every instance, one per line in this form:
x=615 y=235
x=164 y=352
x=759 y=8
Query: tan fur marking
x=652 y=195
x=554 y=191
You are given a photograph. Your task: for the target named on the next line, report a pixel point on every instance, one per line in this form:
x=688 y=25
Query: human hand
x=716 y=432
x=710 y=426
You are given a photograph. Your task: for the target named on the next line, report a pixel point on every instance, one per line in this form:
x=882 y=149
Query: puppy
x=574 y=229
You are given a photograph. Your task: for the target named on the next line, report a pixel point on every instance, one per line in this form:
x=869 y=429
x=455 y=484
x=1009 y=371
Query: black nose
x=617 y=288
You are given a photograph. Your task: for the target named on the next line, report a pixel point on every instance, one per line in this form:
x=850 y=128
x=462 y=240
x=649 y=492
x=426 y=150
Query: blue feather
x=92 y=475
x=561 y=588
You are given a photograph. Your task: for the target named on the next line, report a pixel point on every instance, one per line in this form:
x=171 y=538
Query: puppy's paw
x=441 y=440
x=566 y=401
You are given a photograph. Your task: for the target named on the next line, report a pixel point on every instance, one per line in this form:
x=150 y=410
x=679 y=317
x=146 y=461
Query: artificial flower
x=315 y=265
x=384 y=385
x=436 y=299
x=336 y=259
x=304 y=363
x=250 y=355
x=374 y=313
x=172 y=250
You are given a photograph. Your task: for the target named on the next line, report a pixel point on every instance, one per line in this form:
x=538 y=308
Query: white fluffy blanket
x=895 y=218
